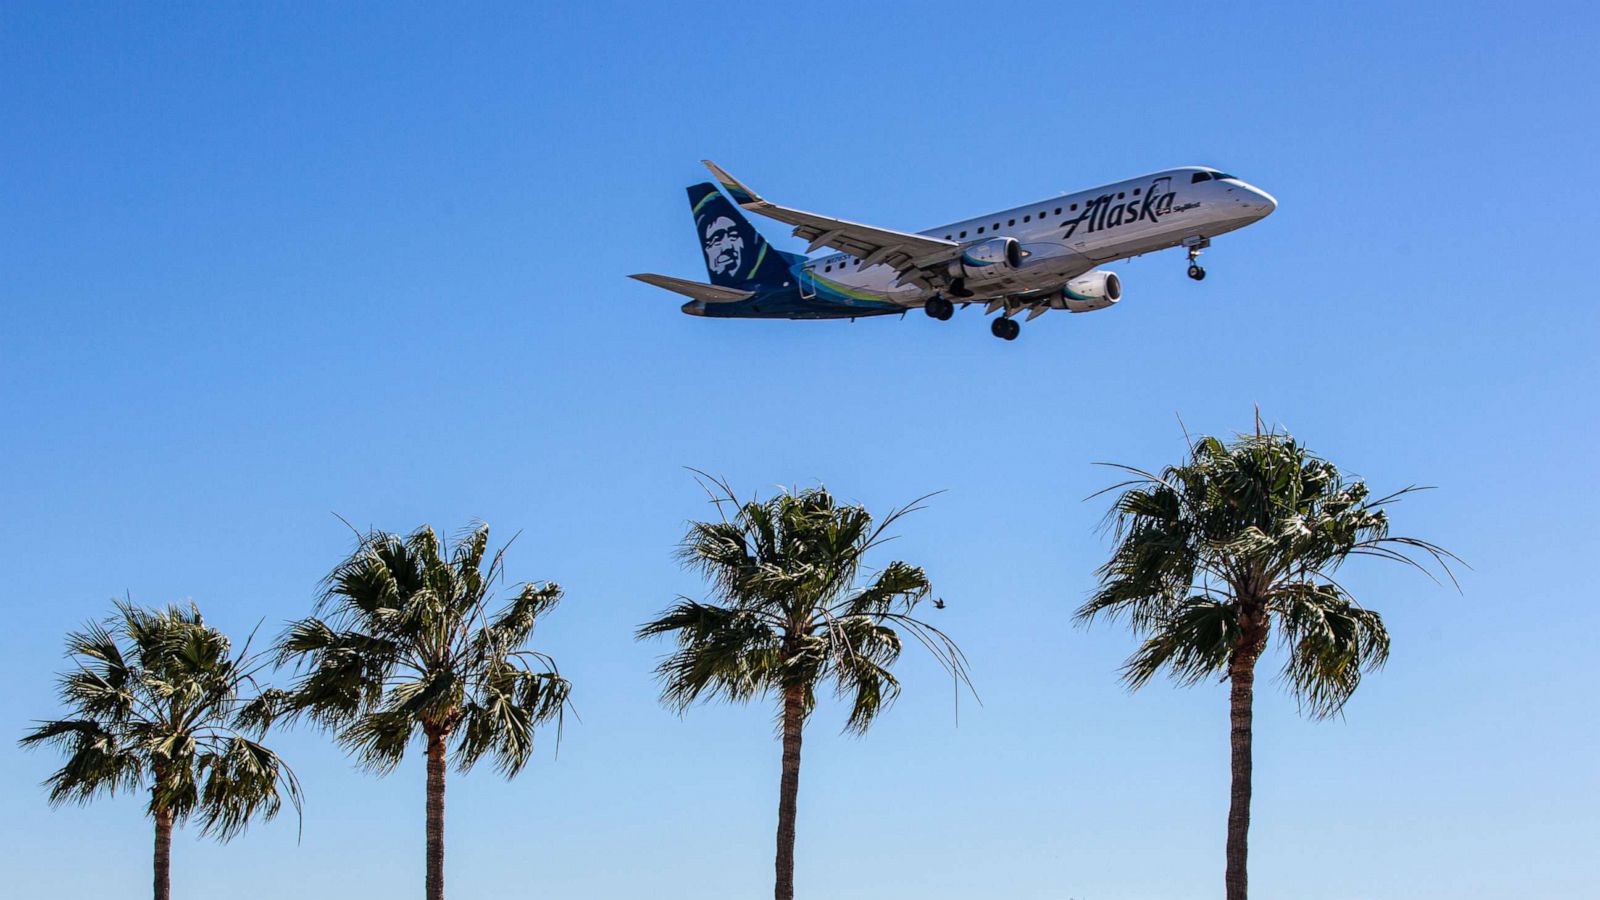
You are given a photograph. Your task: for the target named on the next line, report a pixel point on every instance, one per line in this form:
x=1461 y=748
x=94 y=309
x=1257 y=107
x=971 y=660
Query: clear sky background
x=261 y=266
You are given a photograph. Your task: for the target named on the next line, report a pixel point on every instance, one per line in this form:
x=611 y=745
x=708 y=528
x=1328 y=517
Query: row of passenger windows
x=1073 y=207
x=1121 y=195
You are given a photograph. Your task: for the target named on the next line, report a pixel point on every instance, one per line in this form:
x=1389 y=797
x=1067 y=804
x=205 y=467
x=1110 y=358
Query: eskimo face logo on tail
x=1106 y=211
x=724 y=245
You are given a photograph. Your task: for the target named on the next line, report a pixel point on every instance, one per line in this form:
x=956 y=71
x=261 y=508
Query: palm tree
x=789 y=616
x=1212 y=555
x=409 y=649
x=159 y=699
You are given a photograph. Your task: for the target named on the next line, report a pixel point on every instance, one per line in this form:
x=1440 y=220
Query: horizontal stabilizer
x=706 y=293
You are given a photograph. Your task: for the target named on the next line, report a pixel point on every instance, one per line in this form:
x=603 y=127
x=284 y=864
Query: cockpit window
x=1199 y=177
x=1221 y=175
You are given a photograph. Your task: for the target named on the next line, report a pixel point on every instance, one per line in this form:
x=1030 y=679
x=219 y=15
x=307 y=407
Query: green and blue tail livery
x=736 y=254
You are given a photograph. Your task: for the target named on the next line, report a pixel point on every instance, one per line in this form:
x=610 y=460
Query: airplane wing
x=709 y=293
x=905 y=252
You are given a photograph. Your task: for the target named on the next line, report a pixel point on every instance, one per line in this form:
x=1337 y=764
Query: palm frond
x=378 y=739
x=501 y=719
x=97 y=762
x=724 y=652
x=157 y=692
x=409 y=647
x=787 y=607
x=1195 y=641
x=1250 y=531
x=243 y=780
x=1332 y=642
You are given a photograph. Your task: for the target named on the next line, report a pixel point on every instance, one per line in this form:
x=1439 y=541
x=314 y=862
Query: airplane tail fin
x=737 y=256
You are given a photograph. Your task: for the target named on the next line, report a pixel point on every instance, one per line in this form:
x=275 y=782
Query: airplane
x=1032 y=258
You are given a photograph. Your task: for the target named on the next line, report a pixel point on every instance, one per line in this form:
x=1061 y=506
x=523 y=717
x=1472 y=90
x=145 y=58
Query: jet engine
x=1089 y=292
x=988 y=259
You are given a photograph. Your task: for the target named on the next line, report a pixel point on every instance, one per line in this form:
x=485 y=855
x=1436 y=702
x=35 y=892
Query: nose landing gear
x=1195 y=245
x=939 y=308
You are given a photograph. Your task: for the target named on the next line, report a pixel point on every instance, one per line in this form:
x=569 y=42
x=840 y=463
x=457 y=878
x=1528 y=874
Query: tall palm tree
x=159 y=699
x=403 y=646
x=790 y=614
x=1241 y=540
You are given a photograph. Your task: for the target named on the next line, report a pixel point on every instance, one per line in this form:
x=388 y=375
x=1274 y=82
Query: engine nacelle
x=988 y=259
x=1089 y=292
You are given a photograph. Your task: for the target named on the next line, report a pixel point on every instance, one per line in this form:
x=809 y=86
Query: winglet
x=740 y=194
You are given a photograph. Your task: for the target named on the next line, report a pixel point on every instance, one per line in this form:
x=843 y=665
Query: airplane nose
x=1265 y=202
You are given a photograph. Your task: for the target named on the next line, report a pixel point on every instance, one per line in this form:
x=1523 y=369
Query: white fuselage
x=1066 y=236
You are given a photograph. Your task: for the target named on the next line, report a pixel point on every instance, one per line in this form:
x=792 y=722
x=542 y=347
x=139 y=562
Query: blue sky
x=260 y=266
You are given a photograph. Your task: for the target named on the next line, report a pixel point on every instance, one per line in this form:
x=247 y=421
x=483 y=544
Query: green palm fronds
x=1246 y=537
x=790 y=606
x=405 y=642
x=159 y=700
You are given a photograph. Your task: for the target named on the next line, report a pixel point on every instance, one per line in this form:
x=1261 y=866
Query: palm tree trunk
x=1242 y=678
x=436 y=752
x=789 y=789
x=163 y=859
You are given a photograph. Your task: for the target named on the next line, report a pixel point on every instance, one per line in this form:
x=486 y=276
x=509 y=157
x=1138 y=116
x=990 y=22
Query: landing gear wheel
x=1005 y=329
x=939 y=308
x=1195 y=245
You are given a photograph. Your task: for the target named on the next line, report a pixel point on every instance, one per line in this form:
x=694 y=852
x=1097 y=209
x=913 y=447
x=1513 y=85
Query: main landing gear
x=1005 y=329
